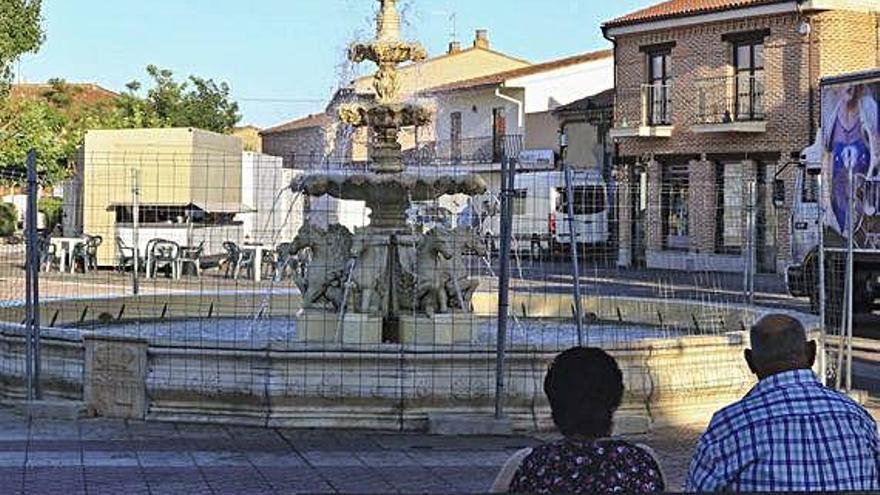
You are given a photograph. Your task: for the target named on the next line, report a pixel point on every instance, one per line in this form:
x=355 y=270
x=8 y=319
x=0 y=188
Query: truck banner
x=851 y=141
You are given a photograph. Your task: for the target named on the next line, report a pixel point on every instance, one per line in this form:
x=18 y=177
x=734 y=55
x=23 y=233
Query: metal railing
x=656 y=104
x=729 y=99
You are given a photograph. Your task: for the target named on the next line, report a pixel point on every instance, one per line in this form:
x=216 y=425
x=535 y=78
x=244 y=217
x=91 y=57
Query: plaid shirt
x=789 y=433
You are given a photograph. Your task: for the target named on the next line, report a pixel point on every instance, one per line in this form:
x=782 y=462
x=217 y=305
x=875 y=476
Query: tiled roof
x=684 y=8
x=600 y=101
x=500 y=77
x=315 y=120
x=81 y=93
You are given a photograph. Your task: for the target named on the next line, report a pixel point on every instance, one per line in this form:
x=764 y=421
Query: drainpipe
x=519 y=108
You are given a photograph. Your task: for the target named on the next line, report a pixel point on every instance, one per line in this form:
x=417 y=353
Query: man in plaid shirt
x=789 y=433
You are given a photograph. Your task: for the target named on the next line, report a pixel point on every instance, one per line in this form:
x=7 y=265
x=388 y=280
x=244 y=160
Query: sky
x=285 y=58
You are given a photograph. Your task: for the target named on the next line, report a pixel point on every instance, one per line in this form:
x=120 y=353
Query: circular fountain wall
x=213 y=359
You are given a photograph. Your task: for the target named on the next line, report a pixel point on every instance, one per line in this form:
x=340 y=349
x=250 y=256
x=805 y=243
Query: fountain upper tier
x=389 y=195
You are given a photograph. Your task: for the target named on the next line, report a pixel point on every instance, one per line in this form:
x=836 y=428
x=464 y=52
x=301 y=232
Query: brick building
x=714 y=98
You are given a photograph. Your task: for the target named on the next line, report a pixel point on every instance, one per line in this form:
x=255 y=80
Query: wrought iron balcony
x=731 y=103
x=652 y=106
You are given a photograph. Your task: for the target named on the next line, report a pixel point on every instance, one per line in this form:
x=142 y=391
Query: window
x=730 y=216
x=519 y=202
x=674 y=206
x=749 y=80
x=455 y=136
x=588 y=200
x=659 y=97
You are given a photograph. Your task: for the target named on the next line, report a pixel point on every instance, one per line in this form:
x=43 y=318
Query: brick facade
x=794 y=61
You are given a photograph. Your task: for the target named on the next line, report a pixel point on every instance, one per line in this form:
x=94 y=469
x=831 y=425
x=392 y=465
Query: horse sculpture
x=325 y=273
x=460 y=288
x=431 y=277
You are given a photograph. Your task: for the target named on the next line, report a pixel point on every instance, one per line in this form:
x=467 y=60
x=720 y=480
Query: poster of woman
x=851 y=139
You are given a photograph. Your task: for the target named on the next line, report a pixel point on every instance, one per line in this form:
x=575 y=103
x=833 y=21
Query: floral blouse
x=599 y=466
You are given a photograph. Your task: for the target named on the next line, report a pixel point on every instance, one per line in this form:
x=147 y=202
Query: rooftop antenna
x=453 y=22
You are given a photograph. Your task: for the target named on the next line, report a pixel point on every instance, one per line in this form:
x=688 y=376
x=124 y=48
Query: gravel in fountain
x=250 y=332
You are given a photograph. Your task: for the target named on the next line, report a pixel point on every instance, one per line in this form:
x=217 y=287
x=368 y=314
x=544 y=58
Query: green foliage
x=52 y=208
x=8 y=219
x=196 y=102
x=37 y=125
x=20 y=32
x=55 y=124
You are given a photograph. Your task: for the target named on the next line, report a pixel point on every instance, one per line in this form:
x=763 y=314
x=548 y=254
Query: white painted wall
x=278 y=211
x=547 y=90
x=476 y=114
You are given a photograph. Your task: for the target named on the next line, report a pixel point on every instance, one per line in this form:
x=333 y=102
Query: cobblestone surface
x=108 y=456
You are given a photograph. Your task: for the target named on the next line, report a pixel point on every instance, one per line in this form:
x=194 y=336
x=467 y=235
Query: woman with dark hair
x=585 y=388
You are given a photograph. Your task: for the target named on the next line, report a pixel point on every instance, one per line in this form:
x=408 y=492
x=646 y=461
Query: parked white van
x=540 y=212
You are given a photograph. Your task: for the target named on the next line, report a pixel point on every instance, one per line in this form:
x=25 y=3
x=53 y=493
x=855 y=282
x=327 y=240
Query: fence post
x=850 y=276
x=578 y=303
x=820 y=223
x=32 y=276
x=136 y=213
x=508 y=172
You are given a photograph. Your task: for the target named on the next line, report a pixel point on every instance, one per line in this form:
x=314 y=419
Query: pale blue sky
x=282 y=57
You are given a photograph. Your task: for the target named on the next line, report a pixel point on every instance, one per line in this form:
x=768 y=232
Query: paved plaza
x=107 y=456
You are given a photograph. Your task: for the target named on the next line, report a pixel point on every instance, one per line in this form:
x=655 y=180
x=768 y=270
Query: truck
x=540 y=212
x=848 y=140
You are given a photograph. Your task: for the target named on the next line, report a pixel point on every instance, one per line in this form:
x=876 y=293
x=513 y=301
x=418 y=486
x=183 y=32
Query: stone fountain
x=385 y=282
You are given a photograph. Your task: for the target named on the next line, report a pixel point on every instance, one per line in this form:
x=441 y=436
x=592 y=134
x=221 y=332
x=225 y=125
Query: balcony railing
x=643 y=111
x=730 y=99
x=465 y=151
x=656 y=104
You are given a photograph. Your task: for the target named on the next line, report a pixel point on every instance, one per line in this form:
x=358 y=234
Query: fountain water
x=398 y=280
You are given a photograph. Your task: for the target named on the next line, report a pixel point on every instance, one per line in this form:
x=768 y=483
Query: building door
x=499 y=131
x=455 y=137
x=639 y=206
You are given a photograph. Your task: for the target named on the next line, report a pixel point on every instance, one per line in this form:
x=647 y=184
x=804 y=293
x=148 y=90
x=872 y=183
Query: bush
x=8 y=219
x=51 y=207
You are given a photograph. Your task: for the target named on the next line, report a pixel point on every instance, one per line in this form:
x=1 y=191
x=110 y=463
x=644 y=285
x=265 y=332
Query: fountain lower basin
x=215 y=370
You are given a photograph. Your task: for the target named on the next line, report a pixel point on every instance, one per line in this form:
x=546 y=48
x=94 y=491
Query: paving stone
x=166 y=460
x=331 y=459
x=172 y=480
x=236 y=480
x=54 y=459
x=109 y=459
x=66 y=480
x=215 y=459
x=128 y=480
x=276 y=459
x=12 y=459
x=386 y=458
x=12 y=477
x=295 y=480
x=355 y=480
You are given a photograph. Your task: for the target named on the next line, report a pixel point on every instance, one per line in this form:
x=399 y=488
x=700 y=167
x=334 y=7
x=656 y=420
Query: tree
x=40 y=126
x=196 y=102
x=20 y=32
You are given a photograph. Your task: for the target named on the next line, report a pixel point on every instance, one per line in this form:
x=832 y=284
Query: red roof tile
x=684 y=8
x=80 y=93
x=500 y=77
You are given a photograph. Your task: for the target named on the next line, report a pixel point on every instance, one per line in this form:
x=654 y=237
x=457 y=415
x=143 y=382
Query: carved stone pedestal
x=442 y=329
x=115 y=376
x=319 y=327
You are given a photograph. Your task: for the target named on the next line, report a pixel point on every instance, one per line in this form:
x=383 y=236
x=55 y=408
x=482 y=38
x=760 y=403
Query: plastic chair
x=124 y=255
x=237 y=260
x=165 y=254
x=192 y=256
x=87 y=252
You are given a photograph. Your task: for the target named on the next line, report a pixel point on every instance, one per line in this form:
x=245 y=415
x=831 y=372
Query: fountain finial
x=388 y=22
